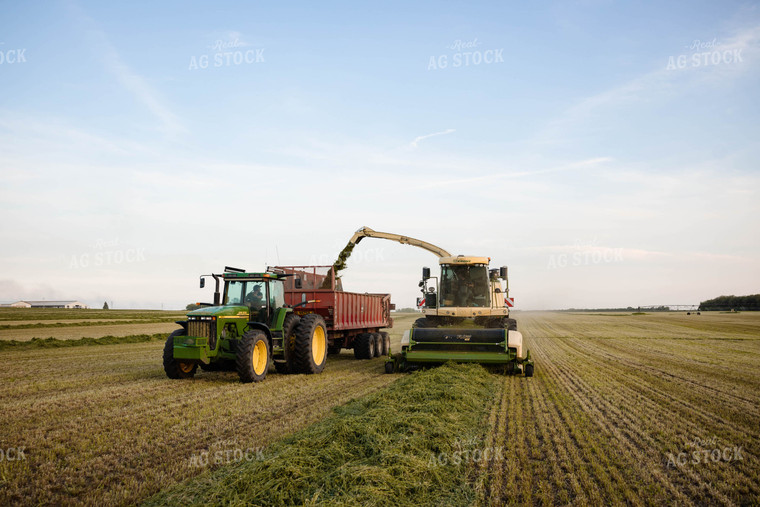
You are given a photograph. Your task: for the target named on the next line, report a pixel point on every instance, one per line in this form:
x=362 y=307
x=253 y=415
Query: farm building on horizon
x=45 y=304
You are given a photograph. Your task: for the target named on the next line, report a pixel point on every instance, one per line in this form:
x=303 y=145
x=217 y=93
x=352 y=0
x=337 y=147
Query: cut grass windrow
x=50 y=343
x=411 y=444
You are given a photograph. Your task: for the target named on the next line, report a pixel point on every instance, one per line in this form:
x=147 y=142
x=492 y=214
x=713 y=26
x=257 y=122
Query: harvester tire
x=174 y=368
x=364 y=346
x=422 y=322
x=386 y=343
x=253 y=356
x=287 y=364
x=389 y=367
x=311 y=344
x=334 y=349
x=378 y=345
x=511 y=325
x=528 y=370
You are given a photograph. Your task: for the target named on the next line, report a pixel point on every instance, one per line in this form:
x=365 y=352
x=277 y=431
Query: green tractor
x=247 y=327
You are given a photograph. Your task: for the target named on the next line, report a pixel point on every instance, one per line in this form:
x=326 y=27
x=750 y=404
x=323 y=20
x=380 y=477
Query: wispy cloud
x=662 y=82
x=129 y=79
x=417 y=140
x=574 y=166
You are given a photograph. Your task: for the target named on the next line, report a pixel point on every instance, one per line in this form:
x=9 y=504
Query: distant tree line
x=626 y=309
x=726 y=303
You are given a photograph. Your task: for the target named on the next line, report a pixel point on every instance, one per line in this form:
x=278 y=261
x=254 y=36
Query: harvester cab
x=246 y=327
x=466 y=289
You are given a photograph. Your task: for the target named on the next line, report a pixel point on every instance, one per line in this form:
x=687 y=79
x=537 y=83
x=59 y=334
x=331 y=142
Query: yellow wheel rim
x=259 y=357
x=186 y=367
x=318 y=345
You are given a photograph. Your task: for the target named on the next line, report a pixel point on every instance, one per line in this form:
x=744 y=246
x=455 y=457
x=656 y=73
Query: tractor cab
x=261 y=293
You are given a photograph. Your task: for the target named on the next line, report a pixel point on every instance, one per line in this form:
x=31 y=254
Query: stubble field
x=638 y=409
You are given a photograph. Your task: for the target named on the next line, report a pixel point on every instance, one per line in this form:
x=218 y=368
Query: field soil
x=640 y=409
x=658 y=408
x=104 y=426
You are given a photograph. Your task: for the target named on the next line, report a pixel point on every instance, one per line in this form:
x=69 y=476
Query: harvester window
x=464 y=286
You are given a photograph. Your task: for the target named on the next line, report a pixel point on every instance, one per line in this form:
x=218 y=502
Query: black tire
x=528 y=370
x=311 y=344
x=364 y=346
x=219 y=365
x=511 y=324
x=253 y=356
x=386 y=343
x=334 y=349
x=288 y=363
x=378 y=345
x=176 y=369
x=389 y=367
x=422 y=322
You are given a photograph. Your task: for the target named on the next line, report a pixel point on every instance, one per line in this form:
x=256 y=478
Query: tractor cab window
x=234 y=293
x=464 y=286
x=276 y=294
x=256 y=297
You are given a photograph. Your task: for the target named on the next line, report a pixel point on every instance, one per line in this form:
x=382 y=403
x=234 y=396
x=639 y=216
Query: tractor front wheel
x=253 y=356
x=176 y=368
x=311 y=344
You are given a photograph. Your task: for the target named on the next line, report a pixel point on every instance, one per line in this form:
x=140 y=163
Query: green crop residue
x=339 y=265
x=48 y=343
x=406 y=445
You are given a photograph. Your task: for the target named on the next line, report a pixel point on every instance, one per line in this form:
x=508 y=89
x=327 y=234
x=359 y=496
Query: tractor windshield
x=234 y=293
x=464 y=286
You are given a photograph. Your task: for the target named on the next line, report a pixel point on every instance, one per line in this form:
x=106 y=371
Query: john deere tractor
x=246 y=328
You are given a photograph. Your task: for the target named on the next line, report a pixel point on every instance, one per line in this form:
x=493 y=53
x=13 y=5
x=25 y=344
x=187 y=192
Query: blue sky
x=603 y=152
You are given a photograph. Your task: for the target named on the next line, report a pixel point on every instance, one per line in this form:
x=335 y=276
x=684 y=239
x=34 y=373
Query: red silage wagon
x=354 y=321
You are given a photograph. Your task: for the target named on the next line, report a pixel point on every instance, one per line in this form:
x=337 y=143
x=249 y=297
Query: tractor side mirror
x=203 y=282
x=298 y=283
x=503 y=272
x=425 y=273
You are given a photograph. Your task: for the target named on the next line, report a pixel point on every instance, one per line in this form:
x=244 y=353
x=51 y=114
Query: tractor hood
x=219 y=311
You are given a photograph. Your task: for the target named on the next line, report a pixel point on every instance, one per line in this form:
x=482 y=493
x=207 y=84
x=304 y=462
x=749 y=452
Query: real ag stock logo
x=11 y=56
x=226 y=54
x=704 y=54
x=465 y=54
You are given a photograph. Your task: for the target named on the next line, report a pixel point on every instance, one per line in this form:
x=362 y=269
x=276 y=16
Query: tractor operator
x=255 y=298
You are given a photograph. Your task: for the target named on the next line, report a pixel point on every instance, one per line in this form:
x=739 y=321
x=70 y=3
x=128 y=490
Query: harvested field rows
x=616 y=400
x=75 y=332
x=622 y=409
x=103 y=425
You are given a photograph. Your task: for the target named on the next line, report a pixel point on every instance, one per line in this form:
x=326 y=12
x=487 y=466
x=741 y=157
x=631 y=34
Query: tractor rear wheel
x=311 y=344
x=176 y=368
x=287 y=364
x=364 y=346
x=253 y=356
